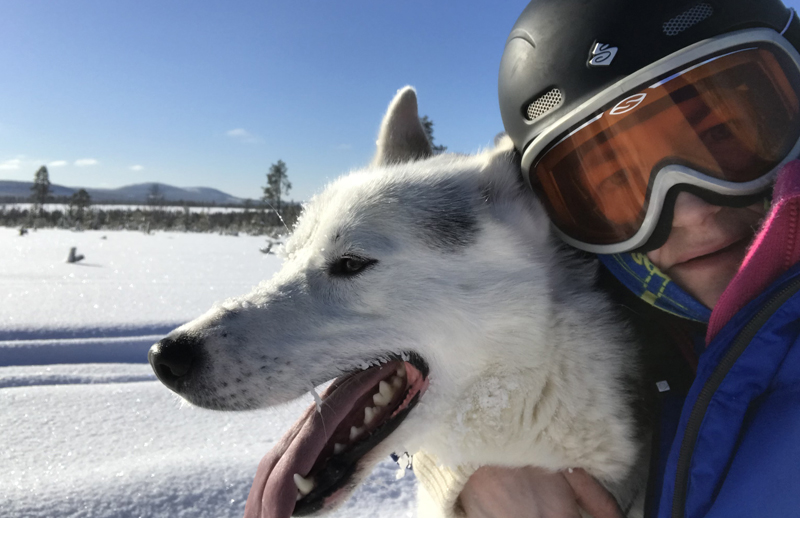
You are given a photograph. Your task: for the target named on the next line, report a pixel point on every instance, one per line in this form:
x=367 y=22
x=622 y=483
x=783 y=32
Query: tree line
x=257 y=221
x=270 y=216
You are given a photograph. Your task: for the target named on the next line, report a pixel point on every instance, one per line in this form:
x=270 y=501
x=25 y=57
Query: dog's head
x=398 y=279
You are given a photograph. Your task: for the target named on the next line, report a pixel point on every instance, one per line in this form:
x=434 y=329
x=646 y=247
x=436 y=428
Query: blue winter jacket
x=737 y=448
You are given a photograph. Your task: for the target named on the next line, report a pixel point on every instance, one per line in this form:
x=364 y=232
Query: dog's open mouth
x=317 y=457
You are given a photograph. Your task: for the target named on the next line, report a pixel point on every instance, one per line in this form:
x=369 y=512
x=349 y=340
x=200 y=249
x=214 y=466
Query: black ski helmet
x=554 y=57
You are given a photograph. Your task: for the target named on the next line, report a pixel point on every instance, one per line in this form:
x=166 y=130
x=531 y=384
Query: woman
x=653 y=133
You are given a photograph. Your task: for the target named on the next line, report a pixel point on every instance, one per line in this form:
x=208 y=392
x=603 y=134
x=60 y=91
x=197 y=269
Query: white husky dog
x=430 y=289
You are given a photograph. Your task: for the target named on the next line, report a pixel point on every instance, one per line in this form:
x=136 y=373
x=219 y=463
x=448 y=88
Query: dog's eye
x=350 y=265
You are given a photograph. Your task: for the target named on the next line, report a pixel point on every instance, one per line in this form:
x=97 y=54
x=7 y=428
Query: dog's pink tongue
x=280 y=503
x=274 y=492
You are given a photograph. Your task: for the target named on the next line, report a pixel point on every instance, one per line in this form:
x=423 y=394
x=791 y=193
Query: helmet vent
x=544 y=104
x=687 y=19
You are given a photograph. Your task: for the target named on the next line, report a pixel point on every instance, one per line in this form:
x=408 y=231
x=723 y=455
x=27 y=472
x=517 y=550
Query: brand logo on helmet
x=602 y=54
x=628 y=104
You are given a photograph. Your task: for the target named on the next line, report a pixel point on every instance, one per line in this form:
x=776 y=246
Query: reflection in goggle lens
x=734 y=117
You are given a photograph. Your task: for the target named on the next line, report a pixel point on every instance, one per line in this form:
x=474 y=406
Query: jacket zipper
x=714 y=381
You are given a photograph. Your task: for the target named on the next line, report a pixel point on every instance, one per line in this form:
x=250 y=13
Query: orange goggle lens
x=734 y=117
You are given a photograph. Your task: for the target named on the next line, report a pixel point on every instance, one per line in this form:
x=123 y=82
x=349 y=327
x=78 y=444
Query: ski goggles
x=719 y=119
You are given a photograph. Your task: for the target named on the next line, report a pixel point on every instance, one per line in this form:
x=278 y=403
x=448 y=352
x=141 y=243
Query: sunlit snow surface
x=127 y=283
x=85 y=435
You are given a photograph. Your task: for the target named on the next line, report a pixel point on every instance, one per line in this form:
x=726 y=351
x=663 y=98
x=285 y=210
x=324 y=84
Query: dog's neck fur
x=531 y=401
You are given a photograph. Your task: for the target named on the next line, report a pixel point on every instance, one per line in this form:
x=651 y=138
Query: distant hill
x=130 y=194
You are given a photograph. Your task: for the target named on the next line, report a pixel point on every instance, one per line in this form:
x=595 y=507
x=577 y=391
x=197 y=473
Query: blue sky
x=206 y=93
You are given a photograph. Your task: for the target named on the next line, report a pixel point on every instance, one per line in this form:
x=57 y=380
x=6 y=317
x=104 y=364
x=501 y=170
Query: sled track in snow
x=111 y=331
x=90 y=346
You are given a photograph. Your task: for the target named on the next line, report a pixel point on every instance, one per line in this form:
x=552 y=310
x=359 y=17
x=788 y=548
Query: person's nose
x=691 y=210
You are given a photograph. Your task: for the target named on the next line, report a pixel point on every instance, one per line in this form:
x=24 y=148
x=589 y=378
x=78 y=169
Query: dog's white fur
x=529 y=365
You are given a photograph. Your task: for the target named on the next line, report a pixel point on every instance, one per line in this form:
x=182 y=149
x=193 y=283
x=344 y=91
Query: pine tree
x=427 y=126
x=78 y=202
x=40 y=190
x=277 y=184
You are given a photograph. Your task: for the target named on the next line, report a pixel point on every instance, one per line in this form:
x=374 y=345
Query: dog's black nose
x=172 y=359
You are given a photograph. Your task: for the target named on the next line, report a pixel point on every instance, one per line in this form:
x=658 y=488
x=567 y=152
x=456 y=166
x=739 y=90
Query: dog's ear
x=503 y=155
x=502 y=168
x=402 y=137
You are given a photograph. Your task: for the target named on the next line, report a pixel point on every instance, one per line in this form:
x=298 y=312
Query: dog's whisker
x=319 y=403
x=286 y=227
x=316 y=396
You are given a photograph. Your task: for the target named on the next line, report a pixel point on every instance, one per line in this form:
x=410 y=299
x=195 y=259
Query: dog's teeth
x=401 y=371
x=304 y=485
x=355 y=432
x=380 y=400
x=386 y=390
x=369 y=414
x=405 y=357
x=397 y=382
x=299 y=497
x=338 y=448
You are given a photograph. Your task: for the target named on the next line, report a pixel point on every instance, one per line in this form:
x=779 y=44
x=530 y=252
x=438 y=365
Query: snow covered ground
x=86 y=429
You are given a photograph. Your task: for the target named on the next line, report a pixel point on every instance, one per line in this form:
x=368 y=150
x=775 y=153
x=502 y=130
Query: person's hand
x=534 y=492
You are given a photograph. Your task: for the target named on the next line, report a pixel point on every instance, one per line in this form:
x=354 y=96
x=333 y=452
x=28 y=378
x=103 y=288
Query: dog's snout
x=172 y=359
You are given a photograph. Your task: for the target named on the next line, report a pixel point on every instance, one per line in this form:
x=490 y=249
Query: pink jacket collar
x=775 y=249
